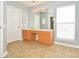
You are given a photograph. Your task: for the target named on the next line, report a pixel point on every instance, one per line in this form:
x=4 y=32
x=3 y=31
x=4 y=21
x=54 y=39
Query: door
x=14 y=19
x=1 y=29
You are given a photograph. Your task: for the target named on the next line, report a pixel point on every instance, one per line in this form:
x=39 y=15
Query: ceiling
x=32 y=3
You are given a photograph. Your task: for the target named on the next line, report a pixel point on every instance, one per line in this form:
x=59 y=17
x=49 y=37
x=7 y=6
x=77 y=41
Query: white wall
x=77 y=23
x=30 y=21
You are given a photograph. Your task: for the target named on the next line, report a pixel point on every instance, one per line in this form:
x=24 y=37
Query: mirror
x=43 y=20
x=40 y=19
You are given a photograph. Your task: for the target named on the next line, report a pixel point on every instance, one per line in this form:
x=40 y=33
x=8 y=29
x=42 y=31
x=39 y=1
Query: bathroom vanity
x=43 y=36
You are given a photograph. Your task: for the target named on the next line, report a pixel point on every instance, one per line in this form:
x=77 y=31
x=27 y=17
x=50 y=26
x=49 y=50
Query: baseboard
x=14 y=41
x=69 y=45
x=5 y=53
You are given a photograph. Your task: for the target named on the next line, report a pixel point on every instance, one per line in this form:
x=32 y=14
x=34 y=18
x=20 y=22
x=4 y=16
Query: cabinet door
x=45 y=37
x=28 y=35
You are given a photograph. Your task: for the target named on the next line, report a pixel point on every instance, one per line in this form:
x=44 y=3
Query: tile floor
x=34 y=49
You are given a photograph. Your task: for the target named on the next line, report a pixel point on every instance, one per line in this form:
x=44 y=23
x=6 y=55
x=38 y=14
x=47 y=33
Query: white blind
x=66 y=22
x=66 y=14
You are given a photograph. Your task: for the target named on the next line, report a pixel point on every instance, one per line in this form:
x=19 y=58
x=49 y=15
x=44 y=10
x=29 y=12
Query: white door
x=1 y=29
x=14 y=19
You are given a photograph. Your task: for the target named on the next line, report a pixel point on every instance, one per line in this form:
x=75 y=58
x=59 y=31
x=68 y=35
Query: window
x=66 y=22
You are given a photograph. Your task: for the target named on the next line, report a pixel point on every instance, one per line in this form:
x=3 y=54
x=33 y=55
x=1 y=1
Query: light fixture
x=33 y=1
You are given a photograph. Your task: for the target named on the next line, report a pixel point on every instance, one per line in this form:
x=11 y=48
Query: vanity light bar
x=39 y=9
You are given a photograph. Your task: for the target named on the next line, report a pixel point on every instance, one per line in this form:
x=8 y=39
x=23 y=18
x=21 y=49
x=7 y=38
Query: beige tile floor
x=33 y=49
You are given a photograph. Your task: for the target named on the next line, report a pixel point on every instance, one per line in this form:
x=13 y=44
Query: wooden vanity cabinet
x=43 y=36
x=46 y=37
x=27 y=35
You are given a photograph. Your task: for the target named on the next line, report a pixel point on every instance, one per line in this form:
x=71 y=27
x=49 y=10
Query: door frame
x=1 y=30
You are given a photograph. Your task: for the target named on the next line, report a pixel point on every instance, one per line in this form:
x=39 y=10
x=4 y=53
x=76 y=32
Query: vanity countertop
x=40 y=29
